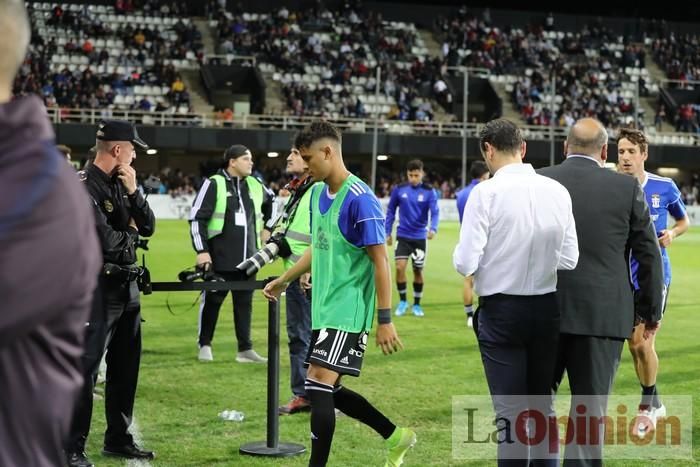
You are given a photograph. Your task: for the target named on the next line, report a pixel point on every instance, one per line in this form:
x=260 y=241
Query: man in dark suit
x=596 y=299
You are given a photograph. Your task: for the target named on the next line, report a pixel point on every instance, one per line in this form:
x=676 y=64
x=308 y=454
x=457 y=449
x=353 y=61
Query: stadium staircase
x=274 y=97
x=650 y=103
x=208 y=39
x=198 y=96
x=509 y=110
x=434 y=50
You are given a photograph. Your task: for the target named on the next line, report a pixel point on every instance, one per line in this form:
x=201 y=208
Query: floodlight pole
x=375 y=135
x=465 y=112
x=552 y=97
x=636 y=104
x=465 y=116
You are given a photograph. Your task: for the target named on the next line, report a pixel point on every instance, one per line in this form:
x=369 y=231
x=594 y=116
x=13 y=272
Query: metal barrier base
x=260 y=448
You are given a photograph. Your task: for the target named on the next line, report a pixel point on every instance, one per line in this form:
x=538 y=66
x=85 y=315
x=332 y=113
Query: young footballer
x=350 y=270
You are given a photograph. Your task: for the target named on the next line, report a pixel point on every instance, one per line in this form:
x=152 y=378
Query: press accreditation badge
x=240 y=219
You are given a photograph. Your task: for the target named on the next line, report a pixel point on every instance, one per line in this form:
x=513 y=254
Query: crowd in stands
x=588 y=67
x=679 y=57
x=690 y=191
x=175 y=182
x=330 y=58
x=687 y=119
x=94 y=57
x=169 y=181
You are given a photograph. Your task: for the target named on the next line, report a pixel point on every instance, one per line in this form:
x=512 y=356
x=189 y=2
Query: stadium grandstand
x=272 y=67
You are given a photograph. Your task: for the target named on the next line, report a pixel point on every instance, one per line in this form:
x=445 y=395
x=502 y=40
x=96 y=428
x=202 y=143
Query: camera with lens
x=202 y=271
x=142 y=243
x=276 y=246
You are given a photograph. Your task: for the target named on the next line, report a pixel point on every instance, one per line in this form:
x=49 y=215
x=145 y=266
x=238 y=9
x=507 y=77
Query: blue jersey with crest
x=663 y=198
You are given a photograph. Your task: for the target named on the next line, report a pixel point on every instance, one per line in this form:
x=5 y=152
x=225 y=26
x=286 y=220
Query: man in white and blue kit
x=414 y=200
x=663 y=198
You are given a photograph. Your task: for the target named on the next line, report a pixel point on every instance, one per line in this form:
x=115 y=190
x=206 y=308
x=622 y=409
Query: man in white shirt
x=518 y=230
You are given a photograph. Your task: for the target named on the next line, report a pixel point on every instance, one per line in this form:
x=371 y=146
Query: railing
x=228 y=59
x=357 y=125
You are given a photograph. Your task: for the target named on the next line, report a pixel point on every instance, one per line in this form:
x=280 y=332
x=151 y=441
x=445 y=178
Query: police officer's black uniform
x=115 y=322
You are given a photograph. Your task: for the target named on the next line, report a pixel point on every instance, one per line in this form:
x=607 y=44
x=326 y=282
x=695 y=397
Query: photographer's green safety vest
x=298 y=234
x=216 y=223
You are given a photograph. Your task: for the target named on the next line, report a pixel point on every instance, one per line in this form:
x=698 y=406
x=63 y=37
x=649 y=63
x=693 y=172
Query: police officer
x=228 y=224
x=121 y=214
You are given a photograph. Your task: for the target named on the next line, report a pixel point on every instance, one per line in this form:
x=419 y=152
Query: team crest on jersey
x=322 y=241
x=420 y=197
x=655 y=200
x=108 y=206
x=404 y=195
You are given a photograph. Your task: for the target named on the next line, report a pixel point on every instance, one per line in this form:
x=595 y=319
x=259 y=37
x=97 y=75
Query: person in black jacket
x=596 y=299
x=228 y=224
x=121 y=214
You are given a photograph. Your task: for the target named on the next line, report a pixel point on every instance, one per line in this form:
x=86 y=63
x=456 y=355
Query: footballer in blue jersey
x=479 y=172
x=356 y=235
x=663 y=198
x=415 y=200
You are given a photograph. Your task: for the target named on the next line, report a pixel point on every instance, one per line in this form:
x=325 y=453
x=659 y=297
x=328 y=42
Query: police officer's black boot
x=78 y=459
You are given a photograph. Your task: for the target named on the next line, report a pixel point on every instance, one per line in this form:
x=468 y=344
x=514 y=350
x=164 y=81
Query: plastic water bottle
x=232 y=415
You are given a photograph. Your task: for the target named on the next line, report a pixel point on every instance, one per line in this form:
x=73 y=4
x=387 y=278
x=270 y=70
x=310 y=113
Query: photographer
x=226 y=225
x=297 y=235
x=121 y=215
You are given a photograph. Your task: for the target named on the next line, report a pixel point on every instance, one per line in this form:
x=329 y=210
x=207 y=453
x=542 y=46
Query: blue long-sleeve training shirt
x=463 y=196
x=414 y=203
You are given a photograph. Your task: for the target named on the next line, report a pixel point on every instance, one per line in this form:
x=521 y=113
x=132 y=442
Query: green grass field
x=179 y=398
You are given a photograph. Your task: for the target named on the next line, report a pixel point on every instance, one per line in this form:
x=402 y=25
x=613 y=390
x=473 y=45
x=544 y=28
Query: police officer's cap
x=119 y=130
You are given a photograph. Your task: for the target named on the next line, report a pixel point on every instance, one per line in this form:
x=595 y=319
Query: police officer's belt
x=121 y=273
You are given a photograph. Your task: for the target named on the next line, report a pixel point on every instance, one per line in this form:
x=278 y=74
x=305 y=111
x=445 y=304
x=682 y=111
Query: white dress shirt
x=518 y=229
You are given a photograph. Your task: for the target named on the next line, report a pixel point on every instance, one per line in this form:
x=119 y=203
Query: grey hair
x=582 y=142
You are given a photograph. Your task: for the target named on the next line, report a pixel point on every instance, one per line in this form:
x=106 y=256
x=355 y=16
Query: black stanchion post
x=272 y=447
x=273 y=371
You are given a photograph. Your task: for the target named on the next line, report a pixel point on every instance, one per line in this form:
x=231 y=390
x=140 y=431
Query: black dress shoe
x=128 y=451
x=78 y=459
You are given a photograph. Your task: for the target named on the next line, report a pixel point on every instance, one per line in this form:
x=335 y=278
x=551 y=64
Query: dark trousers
x=115 y=325
x=242 y=312
x=299 y=334
x=518 y=340
x=590 y=363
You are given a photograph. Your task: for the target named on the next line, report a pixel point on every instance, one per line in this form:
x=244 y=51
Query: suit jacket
x=612 y=219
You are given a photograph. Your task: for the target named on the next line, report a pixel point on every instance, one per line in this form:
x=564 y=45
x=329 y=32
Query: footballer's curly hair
x=316 y=130
x=634 y=136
